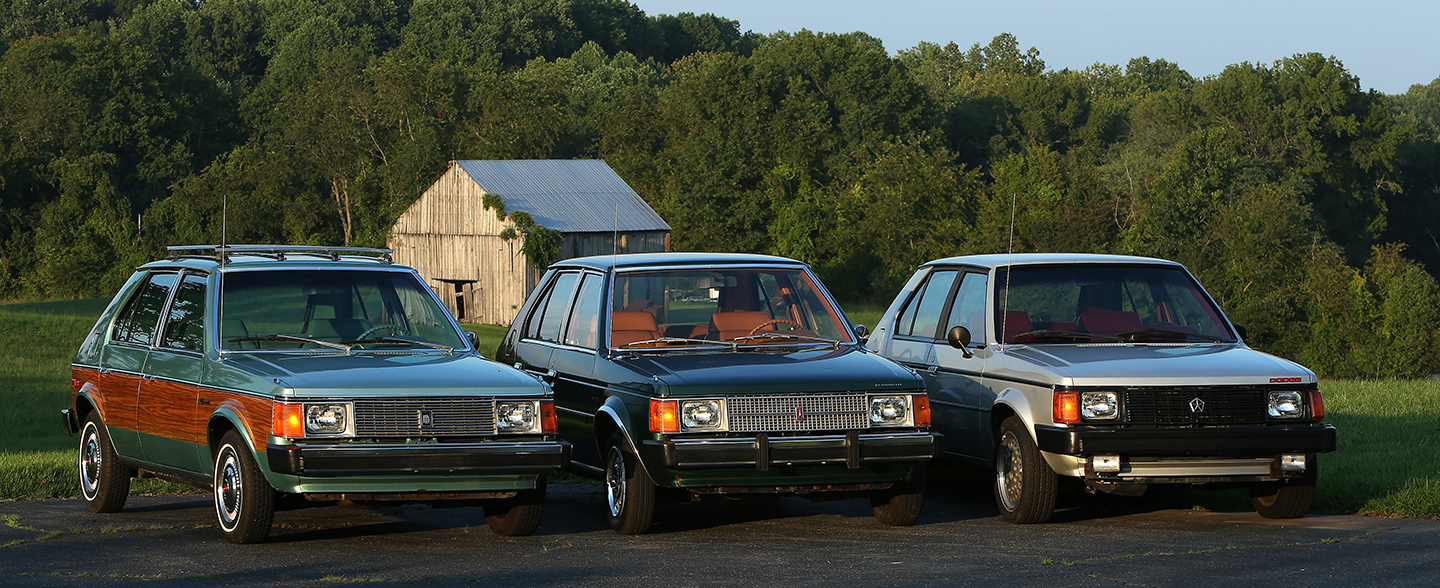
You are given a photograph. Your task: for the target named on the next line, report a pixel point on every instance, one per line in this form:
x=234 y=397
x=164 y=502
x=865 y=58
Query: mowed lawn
x=1389 y=430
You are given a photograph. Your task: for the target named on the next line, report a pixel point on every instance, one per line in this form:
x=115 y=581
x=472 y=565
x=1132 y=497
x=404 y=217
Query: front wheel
x=244 y=500
x=1286 y=500
x=1025 y=486
x=629 y=491
x=900 y=505
x=104 y=481
x=518 y=516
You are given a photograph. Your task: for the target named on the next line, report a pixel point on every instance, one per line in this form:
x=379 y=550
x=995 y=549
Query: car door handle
x=549 y=375
x=148 y=377
x=933 y=369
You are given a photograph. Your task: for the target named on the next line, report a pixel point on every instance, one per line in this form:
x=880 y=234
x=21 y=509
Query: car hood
x=825 y=370
x=1156 y=365
x=386 y=375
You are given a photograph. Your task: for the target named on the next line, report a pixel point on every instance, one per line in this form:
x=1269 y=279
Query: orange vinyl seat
x=726 y=326
x=629 y=326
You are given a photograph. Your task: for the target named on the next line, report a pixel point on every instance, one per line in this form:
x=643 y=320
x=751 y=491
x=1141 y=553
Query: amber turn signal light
x=549 y=421
x=664 y=416
x=288 y=421
x=922 y=409
x=1317 y=404
x=1067 y=407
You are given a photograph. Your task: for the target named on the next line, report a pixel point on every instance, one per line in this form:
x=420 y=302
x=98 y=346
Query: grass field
x=1385 y=465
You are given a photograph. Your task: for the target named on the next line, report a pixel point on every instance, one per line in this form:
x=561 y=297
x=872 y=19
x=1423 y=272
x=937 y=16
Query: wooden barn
x=454 y=241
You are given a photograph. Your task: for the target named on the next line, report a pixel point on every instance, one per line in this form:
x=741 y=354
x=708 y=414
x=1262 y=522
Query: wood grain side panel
x=116 y=397
x=168 y=410
x=254 y=411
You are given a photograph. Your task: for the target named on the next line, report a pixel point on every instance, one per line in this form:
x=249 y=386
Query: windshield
x=331 y=309
x=744 y=305
x=1104 y=303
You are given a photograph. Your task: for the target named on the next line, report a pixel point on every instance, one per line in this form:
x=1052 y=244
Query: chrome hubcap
x=90 y=462
x=615 y=482
x=228 y=487
x=1008 y=471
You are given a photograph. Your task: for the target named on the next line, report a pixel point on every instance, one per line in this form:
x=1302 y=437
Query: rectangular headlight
x=1286 y=405
x=1098 y=406
x=517 y=416
x=327 y=419
x=702 y=415
x=890 y=411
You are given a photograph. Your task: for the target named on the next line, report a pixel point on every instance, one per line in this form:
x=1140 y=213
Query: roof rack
x=223 y=252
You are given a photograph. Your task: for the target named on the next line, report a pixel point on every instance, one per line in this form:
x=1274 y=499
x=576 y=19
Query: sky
x=1388 y=44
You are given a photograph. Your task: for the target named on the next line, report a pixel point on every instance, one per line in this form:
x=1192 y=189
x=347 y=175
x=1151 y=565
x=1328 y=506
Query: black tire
x=104 y=481
x=899 y=506
x=244 y=500
x=629 y=491
x=1287 y=500
x=1025 y=486
x=518 y=516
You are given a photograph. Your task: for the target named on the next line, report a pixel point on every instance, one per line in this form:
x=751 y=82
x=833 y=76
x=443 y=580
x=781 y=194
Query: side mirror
x=473 y=339
x=862 y=332
x=959 y=338
x=1240 y=330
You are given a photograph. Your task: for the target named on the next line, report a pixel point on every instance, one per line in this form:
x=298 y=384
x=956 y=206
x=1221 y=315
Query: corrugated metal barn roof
x=568 y=195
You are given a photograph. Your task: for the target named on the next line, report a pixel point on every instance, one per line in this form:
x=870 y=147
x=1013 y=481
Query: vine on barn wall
x=541 y=246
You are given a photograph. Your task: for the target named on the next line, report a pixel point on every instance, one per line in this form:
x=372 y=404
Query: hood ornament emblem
x=1197 y=405
x=426 y=418
x=800 y=413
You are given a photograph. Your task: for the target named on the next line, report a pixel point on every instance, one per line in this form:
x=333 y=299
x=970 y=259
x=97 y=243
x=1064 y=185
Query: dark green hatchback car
x=688 y=375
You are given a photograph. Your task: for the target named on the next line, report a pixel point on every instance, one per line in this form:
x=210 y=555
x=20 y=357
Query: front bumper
x=853 y=449
x=1197 y=441
x=515 y=457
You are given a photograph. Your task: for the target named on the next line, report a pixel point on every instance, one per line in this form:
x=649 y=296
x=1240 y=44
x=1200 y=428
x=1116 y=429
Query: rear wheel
x=244 y=500
x=899 y=506
x=629 y=491
x=518 y=516
x=1025 y=486
x=104 y=481
x=1286 y=500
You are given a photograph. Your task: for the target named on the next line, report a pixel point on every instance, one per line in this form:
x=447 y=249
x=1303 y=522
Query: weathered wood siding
x=448 y=235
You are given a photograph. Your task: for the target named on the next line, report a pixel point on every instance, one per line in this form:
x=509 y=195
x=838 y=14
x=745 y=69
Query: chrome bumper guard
x=763 y=451
x=518 y=457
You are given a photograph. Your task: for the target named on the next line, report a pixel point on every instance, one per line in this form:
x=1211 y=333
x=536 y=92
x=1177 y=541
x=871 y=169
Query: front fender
x=1020 y=404
x=619 y=416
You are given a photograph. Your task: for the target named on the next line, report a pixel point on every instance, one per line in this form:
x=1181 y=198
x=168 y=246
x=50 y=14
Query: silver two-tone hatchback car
x=1120 y=371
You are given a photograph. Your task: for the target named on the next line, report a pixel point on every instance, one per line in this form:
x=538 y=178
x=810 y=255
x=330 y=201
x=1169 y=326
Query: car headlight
x=327 y=419
x=889 y=411
x=1098 y=405
x=1286 y=405
x=521 y=416
x=701 y=414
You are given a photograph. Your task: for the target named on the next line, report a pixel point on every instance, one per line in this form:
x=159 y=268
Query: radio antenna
x=220 y=276
x=1005 y=315
x=615 y=238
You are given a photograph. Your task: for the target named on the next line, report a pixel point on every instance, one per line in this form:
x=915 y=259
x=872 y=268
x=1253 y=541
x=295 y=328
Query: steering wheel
x=396 y=329
x=772 y=322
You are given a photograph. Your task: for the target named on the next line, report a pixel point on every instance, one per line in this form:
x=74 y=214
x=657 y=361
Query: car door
x=577 y=393
x=957 y=381
x=170 y=430
x=913 y=343
x=123 y=363
x=540 y=335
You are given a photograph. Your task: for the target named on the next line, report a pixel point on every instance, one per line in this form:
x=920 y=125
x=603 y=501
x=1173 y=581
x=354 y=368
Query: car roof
x=647 y=260
x=281 y=257
x=993 y=260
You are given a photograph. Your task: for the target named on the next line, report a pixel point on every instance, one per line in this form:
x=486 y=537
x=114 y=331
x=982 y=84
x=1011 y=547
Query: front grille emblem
x=426 y=418
x=800 y=413
x=1197 y=405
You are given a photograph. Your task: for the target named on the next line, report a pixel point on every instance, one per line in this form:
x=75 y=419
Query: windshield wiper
x=1060 y=334
x=778 y=335
x=279 y=337
x=1132 y=335
x=385 y=339
x=667 y=340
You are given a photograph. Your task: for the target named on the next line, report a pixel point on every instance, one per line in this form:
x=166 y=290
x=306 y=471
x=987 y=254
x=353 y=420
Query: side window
x=550 y=312
x=969 y=308
x=585 y=318
x=928 y=308
x=185 y=325
x=137 y=322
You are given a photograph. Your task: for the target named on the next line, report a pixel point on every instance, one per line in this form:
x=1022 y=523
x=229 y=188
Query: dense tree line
x=1306 y=205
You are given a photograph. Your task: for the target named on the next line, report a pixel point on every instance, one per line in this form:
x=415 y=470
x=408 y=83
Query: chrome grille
x=401 y=417
x=1172 y=407
x=797 y=413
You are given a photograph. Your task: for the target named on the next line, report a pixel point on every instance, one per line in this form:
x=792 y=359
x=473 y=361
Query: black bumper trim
x=763 y=451
x=1206 y=441
x=72 y=424
x=520 y=457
